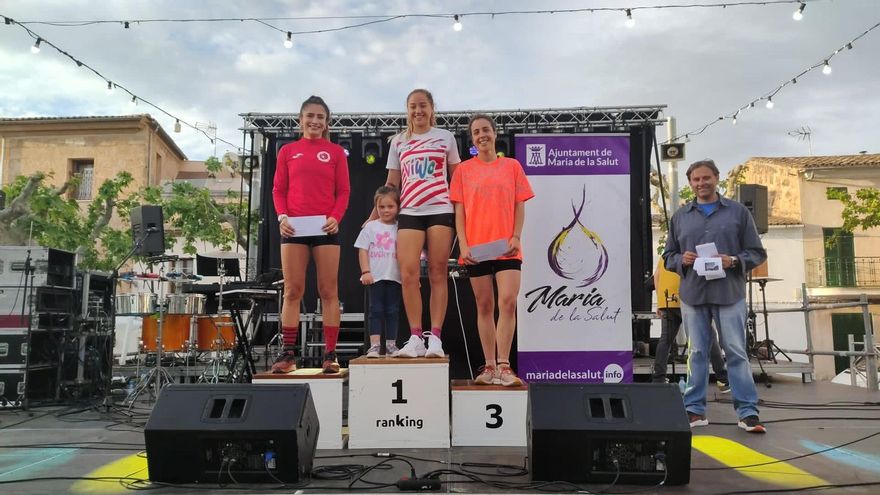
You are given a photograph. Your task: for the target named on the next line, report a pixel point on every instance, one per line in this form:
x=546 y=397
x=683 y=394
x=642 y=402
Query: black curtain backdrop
x=365 y=179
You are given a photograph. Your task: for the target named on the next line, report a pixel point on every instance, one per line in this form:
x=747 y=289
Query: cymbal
x=225 y=255
x=765 y=279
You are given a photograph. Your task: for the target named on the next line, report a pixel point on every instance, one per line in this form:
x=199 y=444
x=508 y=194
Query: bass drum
x=175 y=333
x=215 y=333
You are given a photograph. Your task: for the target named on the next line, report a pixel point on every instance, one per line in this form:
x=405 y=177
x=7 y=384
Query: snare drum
x=175 y=332
x=186 y=304
x=136 y=303
x=209 y=332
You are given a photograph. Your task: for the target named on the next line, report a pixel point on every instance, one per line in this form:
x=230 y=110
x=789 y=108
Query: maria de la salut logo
x=613 y=373
x=537 y=155
x=577 y=253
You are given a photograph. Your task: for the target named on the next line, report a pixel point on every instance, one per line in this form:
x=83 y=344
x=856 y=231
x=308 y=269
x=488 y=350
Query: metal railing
x=843 y=272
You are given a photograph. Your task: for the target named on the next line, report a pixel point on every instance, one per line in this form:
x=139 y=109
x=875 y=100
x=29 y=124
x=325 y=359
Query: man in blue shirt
x=711 y=218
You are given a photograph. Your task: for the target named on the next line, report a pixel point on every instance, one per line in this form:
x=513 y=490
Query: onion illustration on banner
x=577 y=253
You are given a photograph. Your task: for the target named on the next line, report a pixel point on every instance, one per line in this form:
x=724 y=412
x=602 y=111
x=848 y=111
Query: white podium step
x=488 y=415
x=326 y=392
x=398 y=403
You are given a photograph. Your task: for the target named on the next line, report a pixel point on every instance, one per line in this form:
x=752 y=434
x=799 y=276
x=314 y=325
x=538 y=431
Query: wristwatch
x=734 y=261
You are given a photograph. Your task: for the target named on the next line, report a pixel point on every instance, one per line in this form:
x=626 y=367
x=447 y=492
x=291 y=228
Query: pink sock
x=415 y=331
x=435 y=332
x=331 y=336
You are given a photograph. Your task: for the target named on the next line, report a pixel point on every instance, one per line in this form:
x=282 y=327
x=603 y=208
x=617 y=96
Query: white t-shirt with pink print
x=380 y=241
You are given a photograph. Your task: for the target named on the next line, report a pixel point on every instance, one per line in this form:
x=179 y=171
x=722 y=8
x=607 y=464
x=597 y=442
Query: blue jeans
x=384 y=308
x=730 y=320
x=670 y=322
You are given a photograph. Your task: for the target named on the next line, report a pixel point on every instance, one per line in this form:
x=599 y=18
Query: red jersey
x=311 y=178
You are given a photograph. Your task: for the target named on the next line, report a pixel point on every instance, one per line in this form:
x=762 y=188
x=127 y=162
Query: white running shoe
x=435 y=347
x=373 y=352
x=415 y=347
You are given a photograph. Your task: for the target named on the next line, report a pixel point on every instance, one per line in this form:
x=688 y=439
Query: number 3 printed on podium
x=496 y=415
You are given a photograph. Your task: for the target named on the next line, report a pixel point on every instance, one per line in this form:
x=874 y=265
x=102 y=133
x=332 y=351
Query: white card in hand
x=710 y=268
x=307 y=226
x=489 y=250
x=707 y=250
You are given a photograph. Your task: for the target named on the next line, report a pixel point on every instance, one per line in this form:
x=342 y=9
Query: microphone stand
x=114 y=278
x=29 y=273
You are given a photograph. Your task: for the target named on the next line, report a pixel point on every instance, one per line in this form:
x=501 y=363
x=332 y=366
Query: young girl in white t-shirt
x=377 y=255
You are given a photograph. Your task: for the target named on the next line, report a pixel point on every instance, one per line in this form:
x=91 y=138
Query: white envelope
x=308 y=226
x=489 y=250
x=711 y=268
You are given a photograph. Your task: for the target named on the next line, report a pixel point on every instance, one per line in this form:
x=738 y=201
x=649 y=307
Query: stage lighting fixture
x=799 y=13
x=177 y=126
x=502 y=145
x=288 y=43
x=630 y=22
x=826 y=69
x=371 y=150
x=769 y=104
x=456 y=26
x=36 y=47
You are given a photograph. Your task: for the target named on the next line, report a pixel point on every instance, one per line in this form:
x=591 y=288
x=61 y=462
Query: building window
x=85 y=169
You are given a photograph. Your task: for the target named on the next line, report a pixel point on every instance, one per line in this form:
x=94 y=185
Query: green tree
x=52 y=218
x=861 y=210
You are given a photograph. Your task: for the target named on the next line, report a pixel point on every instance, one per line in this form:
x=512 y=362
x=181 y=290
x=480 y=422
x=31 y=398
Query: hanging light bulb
x=36 y=47
x=456 y=26
x=826 y=69
x=735 y=116
x=630 y=22
x=288 y=43
x=177 y=126
x=109 y=87
x=799 y=13
x=134 y=101
x=769 y=104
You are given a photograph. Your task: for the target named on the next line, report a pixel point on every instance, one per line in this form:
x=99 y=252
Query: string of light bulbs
x=112 y=85
x=455 y=17
x=767 y=98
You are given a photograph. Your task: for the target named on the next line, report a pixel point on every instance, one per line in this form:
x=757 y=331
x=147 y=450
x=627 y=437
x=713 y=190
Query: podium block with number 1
x=398 y=403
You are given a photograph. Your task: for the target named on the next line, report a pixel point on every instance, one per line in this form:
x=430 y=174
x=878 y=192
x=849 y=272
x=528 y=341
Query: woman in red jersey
x=311 y=178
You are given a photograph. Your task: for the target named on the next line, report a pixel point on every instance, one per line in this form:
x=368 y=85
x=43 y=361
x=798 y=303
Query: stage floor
x=82 y=450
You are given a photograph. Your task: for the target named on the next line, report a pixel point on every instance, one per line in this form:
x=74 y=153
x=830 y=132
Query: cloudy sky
x=701 y=63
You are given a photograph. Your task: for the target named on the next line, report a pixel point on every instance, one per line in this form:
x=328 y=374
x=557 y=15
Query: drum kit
x=179 y=329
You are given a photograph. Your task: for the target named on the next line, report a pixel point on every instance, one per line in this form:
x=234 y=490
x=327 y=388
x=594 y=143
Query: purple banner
x=573 y=154
x=575 y=366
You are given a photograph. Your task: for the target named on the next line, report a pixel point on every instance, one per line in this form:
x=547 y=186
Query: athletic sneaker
x=486 y=376
x=507 y=377
x=285 y=363
x=435 y=347
x=752 y=424
x=723 y=387
x=330 y=365
x=391 y=349
x=373 y=351
x=697 y=420
x=414 y=347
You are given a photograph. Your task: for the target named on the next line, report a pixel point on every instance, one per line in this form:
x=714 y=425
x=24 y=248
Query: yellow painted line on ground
x=732 y=454
x=133 y=466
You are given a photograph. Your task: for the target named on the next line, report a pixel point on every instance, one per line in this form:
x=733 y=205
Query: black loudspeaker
x=147 y=224
x=754 y=197
x=242 y=432
x=634 y=433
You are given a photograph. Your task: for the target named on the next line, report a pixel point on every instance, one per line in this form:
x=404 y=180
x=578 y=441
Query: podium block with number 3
x=488 y=415
x=398 y=403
